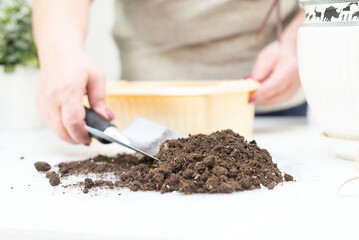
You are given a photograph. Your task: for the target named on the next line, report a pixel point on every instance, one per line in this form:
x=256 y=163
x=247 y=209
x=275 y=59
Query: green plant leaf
x=9 y=68
x=16 y=40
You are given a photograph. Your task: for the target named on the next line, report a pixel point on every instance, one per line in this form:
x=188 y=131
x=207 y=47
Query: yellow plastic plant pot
x=188 y=107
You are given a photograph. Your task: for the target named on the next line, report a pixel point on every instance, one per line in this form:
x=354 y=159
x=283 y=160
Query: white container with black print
x=328 y=52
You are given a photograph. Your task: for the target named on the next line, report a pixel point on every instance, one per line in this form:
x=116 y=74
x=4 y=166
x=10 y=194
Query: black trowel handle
x=94 y=120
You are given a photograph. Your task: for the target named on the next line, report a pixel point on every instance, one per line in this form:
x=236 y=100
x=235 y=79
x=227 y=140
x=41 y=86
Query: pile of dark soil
x=222 y=162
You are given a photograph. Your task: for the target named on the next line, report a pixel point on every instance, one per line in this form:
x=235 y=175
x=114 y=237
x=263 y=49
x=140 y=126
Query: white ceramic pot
x=328 y=52
x=17 y=99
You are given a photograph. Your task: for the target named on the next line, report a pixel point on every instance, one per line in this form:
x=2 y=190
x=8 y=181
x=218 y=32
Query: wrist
x=289 y=36
x=54 y=44
x=53 y=55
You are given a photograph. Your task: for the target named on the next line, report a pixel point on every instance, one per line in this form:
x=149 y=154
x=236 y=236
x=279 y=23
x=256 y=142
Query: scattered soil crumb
x=271 y=186
x=51 y=174
x=89 y=183
x=54 y=181
x=42 y=166
x=288 y=178
x=222 y=162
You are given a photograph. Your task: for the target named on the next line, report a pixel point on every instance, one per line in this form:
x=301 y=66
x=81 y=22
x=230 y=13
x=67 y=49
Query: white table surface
x=306 y=209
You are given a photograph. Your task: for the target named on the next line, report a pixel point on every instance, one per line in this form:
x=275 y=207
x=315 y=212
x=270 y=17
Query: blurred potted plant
x=19 y=73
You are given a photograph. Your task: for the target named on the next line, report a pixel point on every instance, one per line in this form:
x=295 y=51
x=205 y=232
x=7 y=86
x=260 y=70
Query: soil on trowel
x=222 y=162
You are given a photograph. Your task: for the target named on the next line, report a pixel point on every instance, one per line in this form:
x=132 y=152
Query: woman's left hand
x=277 y=69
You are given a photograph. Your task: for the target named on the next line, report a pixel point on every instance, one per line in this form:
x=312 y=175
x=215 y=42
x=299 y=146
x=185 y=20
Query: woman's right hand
x=65 y=79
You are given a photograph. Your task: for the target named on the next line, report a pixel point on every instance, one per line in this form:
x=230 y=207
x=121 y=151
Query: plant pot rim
x=18 y=68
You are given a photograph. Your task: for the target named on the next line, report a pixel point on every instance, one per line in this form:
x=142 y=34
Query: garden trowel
x=142 y=135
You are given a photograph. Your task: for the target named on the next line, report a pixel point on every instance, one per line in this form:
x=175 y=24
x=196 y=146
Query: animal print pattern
x=332 y=11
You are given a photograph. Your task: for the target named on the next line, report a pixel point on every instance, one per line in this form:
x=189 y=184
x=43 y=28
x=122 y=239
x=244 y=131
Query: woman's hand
x=277 y=68
x=64 y=81
x=67 y=73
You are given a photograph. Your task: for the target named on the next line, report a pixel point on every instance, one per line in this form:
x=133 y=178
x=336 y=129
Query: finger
x=275 y=84
x=283 y=78
x=282 y=96
x=50 y=112
x=55 y=122
x=265 y=62
x=73 y=115
x=96 y=90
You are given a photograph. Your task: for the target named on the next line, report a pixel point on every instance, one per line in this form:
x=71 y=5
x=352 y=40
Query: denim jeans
x=298 y=111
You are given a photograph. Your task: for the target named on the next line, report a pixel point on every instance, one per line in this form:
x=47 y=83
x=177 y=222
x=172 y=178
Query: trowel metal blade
x=148 y=136
x=112 y=138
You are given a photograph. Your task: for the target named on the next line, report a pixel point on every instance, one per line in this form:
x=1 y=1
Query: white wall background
x=100 y=44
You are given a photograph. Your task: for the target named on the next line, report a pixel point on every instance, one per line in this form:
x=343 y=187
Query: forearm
x=59 y=25
x=290 y=33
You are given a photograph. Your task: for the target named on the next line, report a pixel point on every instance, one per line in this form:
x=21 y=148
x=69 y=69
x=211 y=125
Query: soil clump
x=55 y=181
x=42 y=166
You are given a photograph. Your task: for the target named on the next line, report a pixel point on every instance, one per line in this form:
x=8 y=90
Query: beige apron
x=194 y=39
